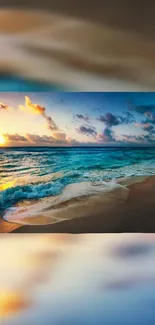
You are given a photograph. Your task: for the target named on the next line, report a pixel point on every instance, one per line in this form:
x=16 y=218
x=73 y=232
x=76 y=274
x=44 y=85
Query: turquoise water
x=33 y=173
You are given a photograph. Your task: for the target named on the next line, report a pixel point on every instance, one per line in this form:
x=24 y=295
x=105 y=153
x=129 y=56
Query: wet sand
x=136 y=214
x=6 y=227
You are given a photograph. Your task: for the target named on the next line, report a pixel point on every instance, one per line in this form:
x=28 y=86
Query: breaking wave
x=76 y=200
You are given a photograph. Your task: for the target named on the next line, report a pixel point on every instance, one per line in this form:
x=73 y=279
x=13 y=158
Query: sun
x=2 y=139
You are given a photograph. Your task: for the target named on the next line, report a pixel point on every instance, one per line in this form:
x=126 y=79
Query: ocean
x=29 y=175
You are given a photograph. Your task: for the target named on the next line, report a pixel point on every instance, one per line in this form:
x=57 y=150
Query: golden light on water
x=2 y=140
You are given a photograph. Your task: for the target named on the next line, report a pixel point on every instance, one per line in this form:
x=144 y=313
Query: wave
x=29 y=187
x=76 y=200
x=32 y=187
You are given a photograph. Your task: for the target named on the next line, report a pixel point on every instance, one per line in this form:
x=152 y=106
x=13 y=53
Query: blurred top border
x=133 y=15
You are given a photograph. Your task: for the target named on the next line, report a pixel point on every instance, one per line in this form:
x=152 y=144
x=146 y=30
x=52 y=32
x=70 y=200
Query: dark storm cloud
x=87 y=130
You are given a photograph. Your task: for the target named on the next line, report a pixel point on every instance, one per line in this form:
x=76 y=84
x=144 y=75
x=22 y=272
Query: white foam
x=53 y=209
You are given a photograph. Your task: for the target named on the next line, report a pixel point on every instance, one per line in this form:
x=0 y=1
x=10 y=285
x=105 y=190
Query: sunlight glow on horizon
x=75 y=119
x=2 y=140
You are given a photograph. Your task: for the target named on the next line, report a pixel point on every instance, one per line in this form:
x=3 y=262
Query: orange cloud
x=14 y=137
x=58 y=138
x=3 y=106
x=58 y=135
x=37 y=109
x=34 y=138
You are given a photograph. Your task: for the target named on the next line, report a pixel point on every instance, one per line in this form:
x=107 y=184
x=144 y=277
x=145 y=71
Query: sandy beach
x=136 y=214
x=6 y=227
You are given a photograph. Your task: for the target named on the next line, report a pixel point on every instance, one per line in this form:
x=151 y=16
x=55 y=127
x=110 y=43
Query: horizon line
x=131 y=146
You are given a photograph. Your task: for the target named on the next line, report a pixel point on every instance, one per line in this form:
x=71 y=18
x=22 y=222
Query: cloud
x=133 y=138
x=109 y=119
x=128 y=118
x=74 y=142
x=146 y=110
x=32 y=138
x=58 y=135
x=146 y=127
x=87 y=130
x=82 y=117
x=106 y=136
x=35 y=138
x=3 y=106
x=143 y=109
x=37 y=109
x=59 y=139
x=14 y=137
x=141 y=139
x=150 y=118
x=149 y=128
x=51 y=124
x=112 y=120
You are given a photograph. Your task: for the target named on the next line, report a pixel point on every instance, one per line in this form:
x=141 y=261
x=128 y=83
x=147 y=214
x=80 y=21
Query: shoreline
x=136 y=214
x=6 y=227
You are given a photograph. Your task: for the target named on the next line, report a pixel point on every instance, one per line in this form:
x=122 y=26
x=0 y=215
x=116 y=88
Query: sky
x=77 y=119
